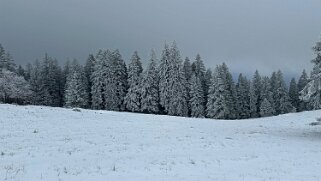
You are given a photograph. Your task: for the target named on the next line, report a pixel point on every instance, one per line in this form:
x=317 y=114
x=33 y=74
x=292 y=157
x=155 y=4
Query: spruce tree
x=208 y=79
x=294 y=94
x=133 y=97
x=35 y=81
x=150 y=89
x=243 y=98
x=255 y=95
x=6 y=61
x=230 y=93
x=76 y=93
x=178 y=103
x=99 y=78
x=187 y=68
x=303 y=81
x=199 y=69
x=48 y=76
x=266 y=93
x=266 y=108
x=282 y=101
x=120 y=77
x=197 y=100
x=164 y=79
x=21 y=71
x=89 y=69
x=221 y=95
x=312 y=91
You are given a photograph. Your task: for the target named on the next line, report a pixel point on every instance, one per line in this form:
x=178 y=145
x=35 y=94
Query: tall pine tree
x=150 y=89
x=312 y=91
x=243 y=98
x=197 y=100
x=255 y=95
x=76 y=93
x=133 y=97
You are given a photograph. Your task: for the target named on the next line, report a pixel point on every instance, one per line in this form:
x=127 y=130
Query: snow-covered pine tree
x=196 y=97
x=99 y=77
x=266 y=108
x=221 y=97
x=303 y=81
x=178 y=103
x=6 y=61
x=133 y=97
x=282 y=101
x=164 y=79
x=76 y=93
x=65 y=72
x=35 y=81
x=266 y=93
x=89 y=69
x=255 y=95
x=199 y=69
x=187 y=67
x=119 y=80
x=2 y=56
x=231 y=93
x=28 y=71
x=216 y=104
x=312 y=91
x=208 y=79
x=150 y=89
x=50 y=76
x=294 y=94
x=243 y=98
x=20 y=71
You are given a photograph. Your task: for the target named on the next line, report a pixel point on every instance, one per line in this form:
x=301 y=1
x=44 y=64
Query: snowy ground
x=43 y=143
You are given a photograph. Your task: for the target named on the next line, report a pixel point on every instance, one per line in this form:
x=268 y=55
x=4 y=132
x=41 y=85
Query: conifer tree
x=198 y=68
x=21 y=71
x=196 y=97
x=120 y=76
x=35 y=81
x=221 y=95
x=294 y=94
x=312 y=91
x=303 y=81
x=150 y=89
x=99 y=78
x=266 y=93
x=6 y=61
x=164 y=79
x=89 y=69
x=255 y=95
x=47 y=82
x=266 y=108
x=178 y=103
x=187 y=68
x=243 y=98
x=133 y=97
x=76 y=93
x=230 y=92
x=208 y=79
x=282 y=100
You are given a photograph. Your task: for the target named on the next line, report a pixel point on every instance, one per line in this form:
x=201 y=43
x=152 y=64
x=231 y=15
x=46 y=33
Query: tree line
x=168 y=86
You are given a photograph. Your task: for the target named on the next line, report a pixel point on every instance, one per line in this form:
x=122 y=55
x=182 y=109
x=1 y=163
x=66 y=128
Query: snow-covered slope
x=43 y=143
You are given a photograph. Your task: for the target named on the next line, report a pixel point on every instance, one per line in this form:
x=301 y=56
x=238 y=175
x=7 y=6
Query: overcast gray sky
x=246 y=34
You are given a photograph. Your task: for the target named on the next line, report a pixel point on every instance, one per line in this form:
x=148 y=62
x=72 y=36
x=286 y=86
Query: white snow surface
x=44 y=143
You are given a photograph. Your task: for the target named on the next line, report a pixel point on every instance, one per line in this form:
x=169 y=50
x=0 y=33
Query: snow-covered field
x=43 y=143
